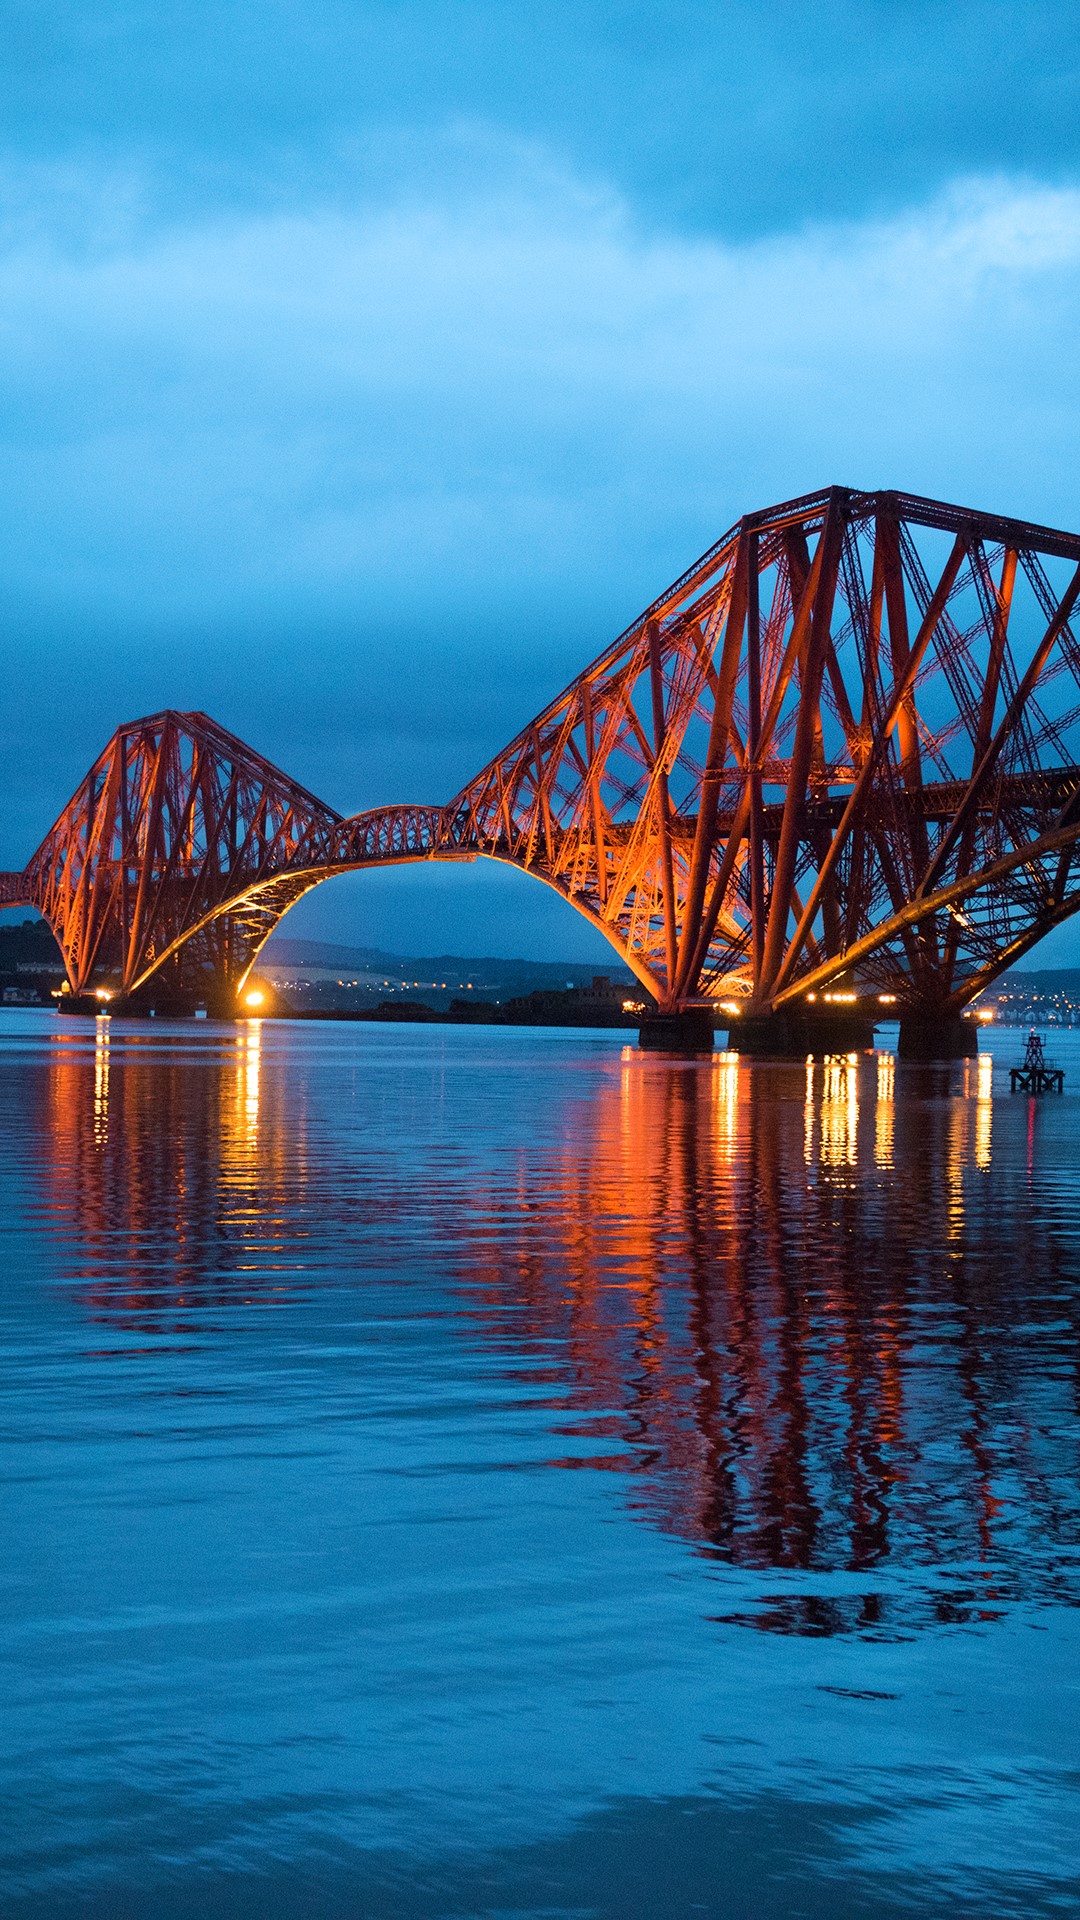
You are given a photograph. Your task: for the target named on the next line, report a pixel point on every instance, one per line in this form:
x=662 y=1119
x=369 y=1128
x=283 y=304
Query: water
x=460 y=1472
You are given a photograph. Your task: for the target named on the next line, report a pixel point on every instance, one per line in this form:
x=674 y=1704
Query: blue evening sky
x=368 y=366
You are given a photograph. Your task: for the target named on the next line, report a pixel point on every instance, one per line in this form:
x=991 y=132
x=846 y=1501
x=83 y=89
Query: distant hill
x=320 y=953
x=489 y=971
x=31 y=945
x=29 y=941
x=1043 y=980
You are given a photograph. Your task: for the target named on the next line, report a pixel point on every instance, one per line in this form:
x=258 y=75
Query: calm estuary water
x=459 y=1472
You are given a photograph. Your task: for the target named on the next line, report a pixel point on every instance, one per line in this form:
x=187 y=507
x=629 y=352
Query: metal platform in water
x=1036 y=1075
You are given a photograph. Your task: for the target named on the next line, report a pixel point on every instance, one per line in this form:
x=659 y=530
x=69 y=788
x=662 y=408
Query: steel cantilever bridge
x=837 y=761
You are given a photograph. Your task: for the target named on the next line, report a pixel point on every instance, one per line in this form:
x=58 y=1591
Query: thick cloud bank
x=514 y=390
x=369 y=484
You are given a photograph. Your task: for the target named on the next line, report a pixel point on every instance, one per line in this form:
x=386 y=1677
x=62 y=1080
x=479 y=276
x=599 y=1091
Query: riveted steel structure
x=843 y=747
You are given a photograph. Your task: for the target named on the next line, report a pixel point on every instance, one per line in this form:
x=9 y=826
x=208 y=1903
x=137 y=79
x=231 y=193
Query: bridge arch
x=256 y=914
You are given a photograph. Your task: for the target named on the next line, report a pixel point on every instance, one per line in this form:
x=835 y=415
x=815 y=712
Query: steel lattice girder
x=848 y=737
x=173 y=827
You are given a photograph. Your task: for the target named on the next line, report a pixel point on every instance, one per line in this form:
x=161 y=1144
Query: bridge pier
x=142 y=1006
x=767 y=1036
x=937 y=1037
x=688 y=1032
x=171 y=999
x=791 y=1036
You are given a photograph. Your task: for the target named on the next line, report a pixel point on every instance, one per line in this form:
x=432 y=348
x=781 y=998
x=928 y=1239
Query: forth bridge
x=830 y=776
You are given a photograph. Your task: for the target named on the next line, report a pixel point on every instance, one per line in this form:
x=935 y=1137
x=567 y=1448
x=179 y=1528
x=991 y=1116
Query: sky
x=368 y=367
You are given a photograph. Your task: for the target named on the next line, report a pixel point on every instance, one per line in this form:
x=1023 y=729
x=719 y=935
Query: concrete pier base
x=134 y=1007
x=218 y=1000
x=791 y=1036
x=932 y=1038
x=678 y=1032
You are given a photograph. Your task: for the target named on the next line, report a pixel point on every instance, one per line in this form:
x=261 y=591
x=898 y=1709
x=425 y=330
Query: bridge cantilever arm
x=711 y=914
x=715 y=754
x=921 y=909
x=873 y=759
x=1012 y=714
x=977 y=983
x=815 y=619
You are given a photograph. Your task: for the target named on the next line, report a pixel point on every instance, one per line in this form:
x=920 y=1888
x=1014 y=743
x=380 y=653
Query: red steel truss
x=845 y=745
x=179 y=840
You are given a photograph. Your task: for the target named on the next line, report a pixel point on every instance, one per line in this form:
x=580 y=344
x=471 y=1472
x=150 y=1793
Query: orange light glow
x=254 y=999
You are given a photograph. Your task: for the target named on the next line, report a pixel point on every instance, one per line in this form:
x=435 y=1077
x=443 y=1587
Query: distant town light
x=102 y=993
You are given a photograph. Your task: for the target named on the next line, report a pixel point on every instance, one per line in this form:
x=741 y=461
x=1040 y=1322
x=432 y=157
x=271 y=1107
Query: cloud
x=504 y=390
x=370 y=482
x=729 y=119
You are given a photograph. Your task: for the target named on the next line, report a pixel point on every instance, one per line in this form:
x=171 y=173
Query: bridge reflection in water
x=786 y=1303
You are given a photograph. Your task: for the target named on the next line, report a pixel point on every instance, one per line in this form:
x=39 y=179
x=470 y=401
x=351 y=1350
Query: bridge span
x=832 y=772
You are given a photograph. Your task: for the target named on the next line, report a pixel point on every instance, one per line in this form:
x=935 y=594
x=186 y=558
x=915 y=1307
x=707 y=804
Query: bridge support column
x=690 y=1032
x=937 y=1037
x=791 y=1036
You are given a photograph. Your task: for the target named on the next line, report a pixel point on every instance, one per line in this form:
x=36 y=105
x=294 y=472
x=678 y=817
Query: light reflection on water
x=472 y=1472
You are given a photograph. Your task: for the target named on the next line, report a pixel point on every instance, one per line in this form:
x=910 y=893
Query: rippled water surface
x=463 y=1472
